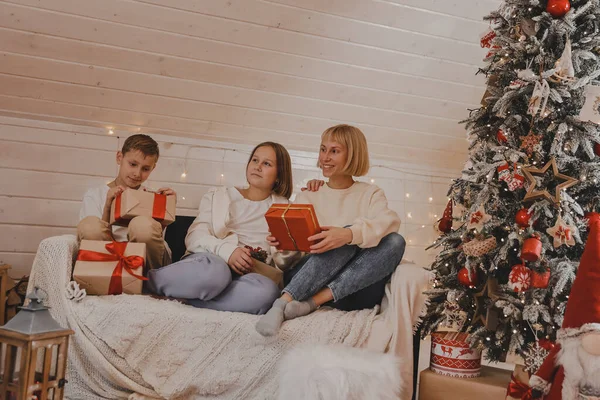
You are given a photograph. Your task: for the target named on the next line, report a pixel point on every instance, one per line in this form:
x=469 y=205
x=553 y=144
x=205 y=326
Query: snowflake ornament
x=74 y=292
x=562 y=233
x=531 y=143
x=478 y=219
x=455 y=317
x=534 y=356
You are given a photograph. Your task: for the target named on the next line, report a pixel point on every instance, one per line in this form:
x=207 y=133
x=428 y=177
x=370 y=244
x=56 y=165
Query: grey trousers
x=206 y=281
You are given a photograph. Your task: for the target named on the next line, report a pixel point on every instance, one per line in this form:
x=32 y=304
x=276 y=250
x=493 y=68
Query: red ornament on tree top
x=445 y=224
x=558 y=8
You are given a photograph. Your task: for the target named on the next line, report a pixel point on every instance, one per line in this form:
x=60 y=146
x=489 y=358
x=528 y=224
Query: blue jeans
x=347 y=269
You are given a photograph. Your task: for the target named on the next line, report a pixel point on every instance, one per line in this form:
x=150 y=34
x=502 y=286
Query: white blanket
x=145 y=348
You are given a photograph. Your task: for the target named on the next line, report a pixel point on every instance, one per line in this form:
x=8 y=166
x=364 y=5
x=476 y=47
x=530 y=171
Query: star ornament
x=562 y=233
x=478 y=219
x=544 y=192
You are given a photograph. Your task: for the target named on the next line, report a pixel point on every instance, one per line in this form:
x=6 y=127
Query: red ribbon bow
x=159 y=207
x=117 y=251
x=519 y=390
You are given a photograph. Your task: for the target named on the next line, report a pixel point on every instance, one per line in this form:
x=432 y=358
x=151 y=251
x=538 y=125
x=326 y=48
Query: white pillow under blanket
x=338 y=372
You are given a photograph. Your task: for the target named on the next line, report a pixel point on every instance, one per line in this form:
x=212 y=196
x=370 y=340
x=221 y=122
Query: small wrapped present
x=292 y=225
x=259 y=257
x=110 y=267
x=491 y=385
x=519 y=388
x=452 y=356
x=133 y=203
x=273 y=273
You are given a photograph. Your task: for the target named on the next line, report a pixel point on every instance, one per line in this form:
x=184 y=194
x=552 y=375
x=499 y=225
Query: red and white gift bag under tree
x=451 y=355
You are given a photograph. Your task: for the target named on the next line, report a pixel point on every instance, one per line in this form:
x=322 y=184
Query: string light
x=183 y=174
x=182 y=197
x=430 y=199
x=372 y=180
x=408 y=195
x=111 y=132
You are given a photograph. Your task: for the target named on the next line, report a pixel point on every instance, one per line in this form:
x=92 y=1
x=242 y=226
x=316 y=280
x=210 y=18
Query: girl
x=359 y=247
x=217 y=271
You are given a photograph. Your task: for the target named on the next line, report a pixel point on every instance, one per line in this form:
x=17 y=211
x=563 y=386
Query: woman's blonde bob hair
x=352 y=138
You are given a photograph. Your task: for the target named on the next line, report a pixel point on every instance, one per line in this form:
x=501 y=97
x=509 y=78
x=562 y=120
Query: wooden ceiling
x=245 y=71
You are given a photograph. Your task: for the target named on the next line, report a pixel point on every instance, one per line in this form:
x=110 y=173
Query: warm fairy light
x=111 y=132
x=372 y=180
x=409 y=215
x=430 y=199
x=182 y=198
x=407 y=195
x=183 y=174
x=222 y=175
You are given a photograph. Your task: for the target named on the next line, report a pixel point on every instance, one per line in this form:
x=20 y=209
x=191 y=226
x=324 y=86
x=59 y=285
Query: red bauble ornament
x=558 y=8
x=445 y=224
x=519 y=279
x=464 y=279
x=501 y=136
x=540 y=280
x=532 y=249
x=523 y=217
x=597 y=149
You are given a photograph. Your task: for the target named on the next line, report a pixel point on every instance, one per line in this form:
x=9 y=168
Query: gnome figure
x=572 y=369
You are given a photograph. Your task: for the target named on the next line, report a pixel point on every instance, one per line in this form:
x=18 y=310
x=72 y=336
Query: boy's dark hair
x=284 y=184
x=143 y=143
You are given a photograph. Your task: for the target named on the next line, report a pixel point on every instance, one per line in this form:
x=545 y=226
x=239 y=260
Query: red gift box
x=451 y=355
x=292 y=225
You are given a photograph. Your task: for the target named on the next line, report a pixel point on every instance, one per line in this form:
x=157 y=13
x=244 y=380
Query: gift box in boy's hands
x=133 y=203
x=292 y=225
x=110 y=267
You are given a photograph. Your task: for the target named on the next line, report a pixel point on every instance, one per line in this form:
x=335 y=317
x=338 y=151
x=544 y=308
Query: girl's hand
x=272 y=241
x=240 y=261
x=331 y=238
x=166 y=192
x=313 y=185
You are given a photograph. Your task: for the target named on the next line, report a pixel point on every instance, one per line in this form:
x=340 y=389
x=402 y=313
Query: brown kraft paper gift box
x=292 y=225
x=97 y=269
x=273 y=273
x=490 y=385
x=133 y=203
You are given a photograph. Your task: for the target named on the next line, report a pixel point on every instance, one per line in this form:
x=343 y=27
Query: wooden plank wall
x=46 y=167
x=404 y=70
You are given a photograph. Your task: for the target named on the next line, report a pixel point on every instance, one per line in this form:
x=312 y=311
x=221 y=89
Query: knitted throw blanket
x=139 y=347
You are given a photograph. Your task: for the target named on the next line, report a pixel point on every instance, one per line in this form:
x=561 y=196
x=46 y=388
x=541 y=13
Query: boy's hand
x=313 y=185
x=272 y=240
x=331 y=238
x=240 y=261
x=112 y=193
x=166 y=192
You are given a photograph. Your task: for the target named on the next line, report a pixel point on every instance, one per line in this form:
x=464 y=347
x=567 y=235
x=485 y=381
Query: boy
x=136 y=160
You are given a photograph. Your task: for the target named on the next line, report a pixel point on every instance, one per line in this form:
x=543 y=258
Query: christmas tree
x=509 y=255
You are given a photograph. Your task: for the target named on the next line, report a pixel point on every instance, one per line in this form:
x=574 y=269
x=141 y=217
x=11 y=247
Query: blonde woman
x=359 y=247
